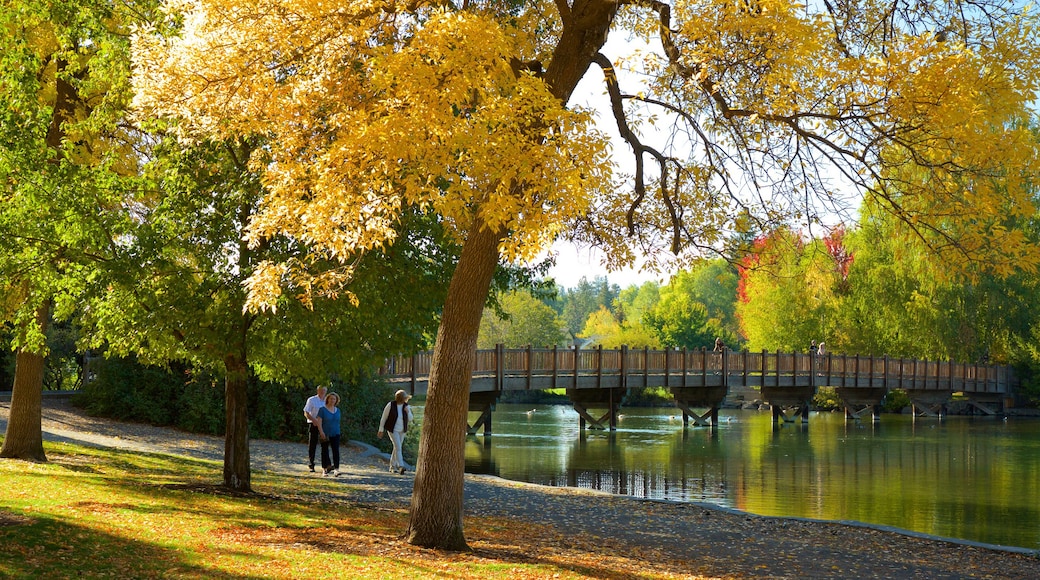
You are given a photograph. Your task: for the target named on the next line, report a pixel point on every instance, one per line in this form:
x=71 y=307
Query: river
x=976 y=479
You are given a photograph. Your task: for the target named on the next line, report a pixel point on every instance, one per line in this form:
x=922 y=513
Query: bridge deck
x=503 y=369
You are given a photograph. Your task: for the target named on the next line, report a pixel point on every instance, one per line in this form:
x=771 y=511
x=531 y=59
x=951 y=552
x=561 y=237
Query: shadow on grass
x=104 y=512
x=51 y=548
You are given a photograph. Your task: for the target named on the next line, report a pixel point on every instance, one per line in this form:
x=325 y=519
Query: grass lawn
x=101 y=513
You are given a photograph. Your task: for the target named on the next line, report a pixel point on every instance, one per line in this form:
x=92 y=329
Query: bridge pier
x=859 y=401
x=583 y=399
x=928 y=403
x=690 y=398
x=483 y=403
x=789 y=402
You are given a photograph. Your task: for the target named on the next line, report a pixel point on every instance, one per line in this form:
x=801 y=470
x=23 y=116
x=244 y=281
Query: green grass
x=101 y=513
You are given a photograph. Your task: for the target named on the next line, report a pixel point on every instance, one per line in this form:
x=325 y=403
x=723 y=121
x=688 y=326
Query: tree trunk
x=436 y=514
x=236 y=408
x=24 y=436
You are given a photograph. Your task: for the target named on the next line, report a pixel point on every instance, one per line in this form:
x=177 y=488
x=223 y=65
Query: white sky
x=572 y=262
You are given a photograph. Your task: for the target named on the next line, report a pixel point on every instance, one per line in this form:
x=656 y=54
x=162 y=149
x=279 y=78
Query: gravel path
x=706 y=539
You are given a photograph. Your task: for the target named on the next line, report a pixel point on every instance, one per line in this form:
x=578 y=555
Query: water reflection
x=967 y=478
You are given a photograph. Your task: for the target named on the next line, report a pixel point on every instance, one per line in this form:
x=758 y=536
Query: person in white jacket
x=396 y=417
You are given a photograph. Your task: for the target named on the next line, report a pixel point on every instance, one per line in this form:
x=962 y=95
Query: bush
x=649 y=397
x=895 y=401
x=124 y=389
x=827 y=399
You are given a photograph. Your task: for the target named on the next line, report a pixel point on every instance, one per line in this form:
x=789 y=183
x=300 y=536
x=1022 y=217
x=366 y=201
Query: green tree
x=584 y=299
x=176 y=291
x=66 y=160
x=786 y=293
x=604 y=329
x=468 y=114
x=713 y=283
x=524 y=320
x=635 y=300
x=680 y=321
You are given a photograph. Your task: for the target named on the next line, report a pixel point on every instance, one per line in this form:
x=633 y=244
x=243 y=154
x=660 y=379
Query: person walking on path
x=328 y=422
x=310 y=411
x=396 y=416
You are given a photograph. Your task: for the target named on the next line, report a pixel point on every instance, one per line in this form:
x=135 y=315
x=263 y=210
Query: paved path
x=710 y=541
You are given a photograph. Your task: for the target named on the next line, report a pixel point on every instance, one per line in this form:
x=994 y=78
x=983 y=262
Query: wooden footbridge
x=699 y=380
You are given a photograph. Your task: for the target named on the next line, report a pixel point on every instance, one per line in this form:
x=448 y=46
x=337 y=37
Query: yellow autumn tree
x=742 y=115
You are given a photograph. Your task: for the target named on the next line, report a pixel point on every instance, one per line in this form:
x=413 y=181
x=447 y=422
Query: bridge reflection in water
x=970 y=478
x=699 y=381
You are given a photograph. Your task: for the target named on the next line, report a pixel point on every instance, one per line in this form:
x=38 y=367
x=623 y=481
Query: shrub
x=124 y=389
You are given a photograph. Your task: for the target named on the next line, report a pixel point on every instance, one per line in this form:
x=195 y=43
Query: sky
x=572 y=263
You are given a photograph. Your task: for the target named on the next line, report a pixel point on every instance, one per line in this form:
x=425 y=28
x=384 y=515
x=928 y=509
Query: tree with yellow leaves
x=762 y=107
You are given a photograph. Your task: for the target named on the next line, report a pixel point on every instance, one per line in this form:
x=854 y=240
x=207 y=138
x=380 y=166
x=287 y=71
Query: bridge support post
x=707 y=397
x=930 y=403
x=583 y=399
x=780 y=413
x=484 y=403
x=858 y=401
x=856 y=412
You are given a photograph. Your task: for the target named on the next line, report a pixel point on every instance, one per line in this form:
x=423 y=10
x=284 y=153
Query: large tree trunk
x=236 y=408
x=436 y=515
x=24 y=436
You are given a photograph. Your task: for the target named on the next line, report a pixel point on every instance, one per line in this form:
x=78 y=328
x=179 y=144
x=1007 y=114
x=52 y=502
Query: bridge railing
x=674 y=367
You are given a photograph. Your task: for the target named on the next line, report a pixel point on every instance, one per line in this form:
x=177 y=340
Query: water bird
x=531 y=412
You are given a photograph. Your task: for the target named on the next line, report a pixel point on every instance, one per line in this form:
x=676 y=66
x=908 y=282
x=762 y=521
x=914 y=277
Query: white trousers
x=397 y=457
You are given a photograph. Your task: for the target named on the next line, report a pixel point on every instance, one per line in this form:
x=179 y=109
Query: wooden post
x=744 y=353
x=725 y=378
x=830 y=366
x=764 y=366
x=599 y=367
x=556 y=362
x=777 y=357
x=500 y=355
x=646 y=366
x=685 y=366
x=624 y=367
x=412 y=382
x=530 y=364
x=666 y=365
x=812 y=371
x=576 y=349
x=704 y=367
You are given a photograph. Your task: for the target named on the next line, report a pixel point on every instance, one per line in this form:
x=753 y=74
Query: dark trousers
x=312 y=443
x=332 y=442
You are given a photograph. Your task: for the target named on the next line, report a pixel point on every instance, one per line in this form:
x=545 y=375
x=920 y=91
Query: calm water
x=971 y=478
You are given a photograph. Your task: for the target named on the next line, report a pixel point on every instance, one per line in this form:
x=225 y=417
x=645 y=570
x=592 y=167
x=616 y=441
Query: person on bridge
x=820 y=351
x=328 y=423
x=719 y=347
x=396 y=416
x=310 y=411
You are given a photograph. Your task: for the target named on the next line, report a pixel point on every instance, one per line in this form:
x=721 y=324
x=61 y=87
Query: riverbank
x=676 y=540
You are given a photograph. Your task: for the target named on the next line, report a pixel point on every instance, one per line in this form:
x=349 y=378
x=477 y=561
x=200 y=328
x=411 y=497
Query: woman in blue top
x=329 y=431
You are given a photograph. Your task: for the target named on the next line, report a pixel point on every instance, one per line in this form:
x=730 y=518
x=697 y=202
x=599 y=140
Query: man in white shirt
x=310 y=410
